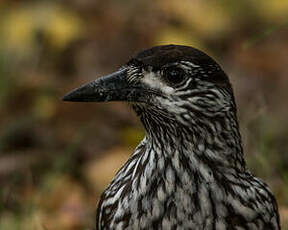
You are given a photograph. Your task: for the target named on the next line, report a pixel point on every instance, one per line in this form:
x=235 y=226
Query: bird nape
x=189 y=171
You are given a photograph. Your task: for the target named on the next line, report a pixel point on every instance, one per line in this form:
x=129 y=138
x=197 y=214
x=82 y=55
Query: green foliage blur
x=56 y=158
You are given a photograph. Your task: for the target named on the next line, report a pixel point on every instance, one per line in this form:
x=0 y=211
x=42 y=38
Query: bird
x=189 y=171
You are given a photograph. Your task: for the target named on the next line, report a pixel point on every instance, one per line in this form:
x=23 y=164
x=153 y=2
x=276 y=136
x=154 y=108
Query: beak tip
x=66 y=97
x=70 y=96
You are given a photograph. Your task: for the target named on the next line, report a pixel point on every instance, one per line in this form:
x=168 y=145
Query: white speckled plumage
x=189 y=171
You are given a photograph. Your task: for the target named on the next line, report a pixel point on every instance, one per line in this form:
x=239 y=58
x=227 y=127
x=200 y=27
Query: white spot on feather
x=160 y=194
x=153 y=80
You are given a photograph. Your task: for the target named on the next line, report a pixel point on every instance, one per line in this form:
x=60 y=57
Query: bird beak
x=112 y=87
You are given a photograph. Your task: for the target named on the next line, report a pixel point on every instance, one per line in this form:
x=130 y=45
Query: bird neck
x=215 y=143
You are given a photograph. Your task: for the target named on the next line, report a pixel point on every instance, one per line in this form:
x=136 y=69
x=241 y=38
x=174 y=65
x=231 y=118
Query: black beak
x=113 y=87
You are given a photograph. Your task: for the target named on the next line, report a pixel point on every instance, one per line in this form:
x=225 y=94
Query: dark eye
x=174 y=75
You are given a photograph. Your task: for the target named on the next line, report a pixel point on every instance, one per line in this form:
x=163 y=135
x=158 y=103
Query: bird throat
x=215 y=144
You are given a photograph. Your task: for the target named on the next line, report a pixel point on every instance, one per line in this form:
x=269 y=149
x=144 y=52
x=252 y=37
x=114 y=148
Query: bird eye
x=174 y=75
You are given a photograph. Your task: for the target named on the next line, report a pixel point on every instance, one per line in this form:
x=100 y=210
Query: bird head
x=172 y=82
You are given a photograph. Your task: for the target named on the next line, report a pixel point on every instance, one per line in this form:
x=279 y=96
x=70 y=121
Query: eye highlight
x=174 y=75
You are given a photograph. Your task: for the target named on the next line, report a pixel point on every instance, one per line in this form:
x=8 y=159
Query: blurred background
x=56 y=158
